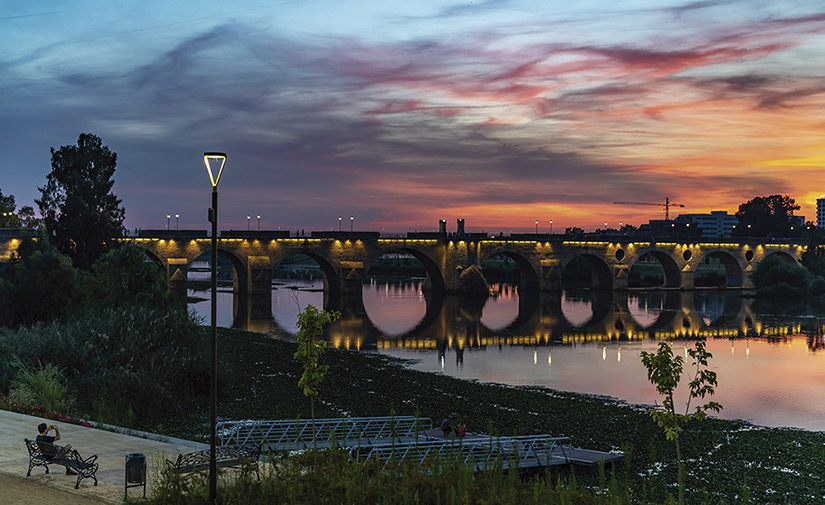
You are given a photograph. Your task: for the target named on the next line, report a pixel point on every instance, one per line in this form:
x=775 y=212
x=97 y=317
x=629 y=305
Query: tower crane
x=667 y=205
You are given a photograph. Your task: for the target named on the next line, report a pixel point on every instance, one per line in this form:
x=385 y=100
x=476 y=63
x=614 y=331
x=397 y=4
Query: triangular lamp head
x=214 y=165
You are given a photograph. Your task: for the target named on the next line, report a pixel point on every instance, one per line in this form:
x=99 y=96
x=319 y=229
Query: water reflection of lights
x=619 y=355
x=549 y=358
x=604 y=353
x=535 y=357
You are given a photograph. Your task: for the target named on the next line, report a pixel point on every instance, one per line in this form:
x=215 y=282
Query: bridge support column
x=687 y=279
x=550 y=275
x=352 y=277
x=259 y=270
x=620 y=277
x=176 y=272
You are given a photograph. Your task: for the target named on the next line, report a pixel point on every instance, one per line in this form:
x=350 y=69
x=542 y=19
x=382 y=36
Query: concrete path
x=111 y=449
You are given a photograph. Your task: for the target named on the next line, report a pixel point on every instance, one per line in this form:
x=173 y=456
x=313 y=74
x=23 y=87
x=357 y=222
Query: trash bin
x=135 y=472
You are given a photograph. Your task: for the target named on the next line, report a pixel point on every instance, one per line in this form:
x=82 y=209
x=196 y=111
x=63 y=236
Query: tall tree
x=80 y=212
x=766 y=216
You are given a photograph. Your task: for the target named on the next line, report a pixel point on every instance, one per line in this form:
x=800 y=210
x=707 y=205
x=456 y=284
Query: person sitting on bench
x=44 y=436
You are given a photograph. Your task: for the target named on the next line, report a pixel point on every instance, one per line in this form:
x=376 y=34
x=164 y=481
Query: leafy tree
x=311 y=350
x=39 y=284
x=574 y=232
x=27 y=219
x=80 y=212
x=664 y=370
x=123 y=277
x=8 y=219
x=780 y=278
x=768 y=216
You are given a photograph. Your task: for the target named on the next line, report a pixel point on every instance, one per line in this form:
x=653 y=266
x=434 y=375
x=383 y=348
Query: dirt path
x=27 y=491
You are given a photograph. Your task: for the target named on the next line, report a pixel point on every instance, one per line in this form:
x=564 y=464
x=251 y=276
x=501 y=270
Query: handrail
x=297 y=433
x=532 y=450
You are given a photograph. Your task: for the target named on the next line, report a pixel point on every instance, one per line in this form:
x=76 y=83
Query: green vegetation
x=80 y=212
x=128 y=366
x=664 y=370
x=723 y=455
x=331 y=477
x=310 y=352
x=768 y=216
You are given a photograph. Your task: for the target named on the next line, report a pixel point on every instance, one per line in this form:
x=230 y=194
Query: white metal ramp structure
x=279 y=435
x=480 y=452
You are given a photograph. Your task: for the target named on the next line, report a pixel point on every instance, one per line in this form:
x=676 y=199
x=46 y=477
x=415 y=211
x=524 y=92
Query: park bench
x=45 y=454
x=227 y=456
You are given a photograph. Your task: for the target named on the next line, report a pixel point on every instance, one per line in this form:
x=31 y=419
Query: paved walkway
x=110 y=447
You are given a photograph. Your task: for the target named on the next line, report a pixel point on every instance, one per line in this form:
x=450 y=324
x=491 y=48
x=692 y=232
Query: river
x=771 y=367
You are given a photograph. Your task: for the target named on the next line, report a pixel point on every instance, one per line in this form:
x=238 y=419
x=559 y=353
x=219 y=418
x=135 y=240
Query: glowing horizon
x=500 y=112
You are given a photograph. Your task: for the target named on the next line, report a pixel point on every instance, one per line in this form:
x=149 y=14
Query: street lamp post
x=168 y=217
x=537 y=226
x=214 y=163
x=177 y=222
x=551 y=227
x=351 y=223
x=259 y=222
x=248 y=217
x=339 y=223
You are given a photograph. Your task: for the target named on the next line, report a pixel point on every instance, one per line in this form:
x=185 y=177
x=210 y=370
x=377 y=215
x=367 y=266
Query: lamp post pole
x=177 y=222
x=213 y=382
x=351 y=223
x=168 y=217
x=537 y=226
x=248 y=217
x=259 y=222
x=339 y=223
x=551 y=227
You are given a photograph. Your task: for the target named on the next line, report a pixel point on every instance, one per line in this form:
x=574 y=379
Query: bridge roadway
x=345 y=257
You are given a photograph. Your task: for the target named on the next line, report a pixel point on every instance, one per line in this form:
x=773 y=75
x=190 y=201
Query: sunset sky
x=402 y=113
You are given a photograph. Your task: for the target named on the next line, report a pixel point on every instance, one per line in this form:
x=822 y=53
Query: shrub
x=141 y=360
x=43 y=386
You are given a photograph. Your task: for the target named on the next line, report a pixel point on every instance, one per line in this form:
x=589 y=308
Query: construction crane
x=667 y=205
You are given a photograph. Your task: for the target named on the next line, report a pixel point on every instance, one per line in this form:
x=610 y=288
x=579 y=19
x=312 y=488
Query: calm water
x=771 y=369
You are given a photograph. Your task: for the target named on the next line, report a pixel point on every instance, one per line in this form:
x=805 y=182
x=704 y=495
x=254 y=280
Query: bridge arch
x=672 y=275
x=434 y=274
x=528 y=274
x=601 y=276
x=332 y=280
x=780 y=255
x=734 y=270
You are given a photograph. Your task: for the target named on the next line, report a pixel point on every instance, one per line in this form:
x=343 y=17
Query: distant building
x=820 y=211
x=714 y=225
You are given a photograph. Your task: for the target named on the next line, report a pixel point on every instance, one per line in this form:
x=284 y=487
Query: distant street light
x=168 y=217
x=537 y=226
x=339 y=223
x=177 y=222
x=214 y=163
x=259 y=222
x=248 y=217
x=551 y=227
x=351 y=223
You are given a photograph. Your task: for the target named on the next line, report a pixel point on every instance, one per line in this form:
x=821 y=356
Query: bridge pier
x=686 y=279
x=176 y=271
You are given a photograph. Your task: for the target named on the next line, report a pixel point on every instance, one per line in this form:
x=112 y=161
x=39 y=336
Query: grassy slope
x=259 y=381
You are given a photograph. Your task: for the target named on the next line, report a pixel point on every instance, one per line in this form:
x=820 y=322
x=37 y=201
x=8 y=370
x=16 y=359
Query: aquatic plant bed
x=258 y=380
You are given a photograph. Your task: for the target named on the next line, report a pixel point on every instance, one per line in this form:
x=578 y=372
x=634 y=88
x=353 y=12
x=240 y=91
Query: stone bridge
x=345 y=257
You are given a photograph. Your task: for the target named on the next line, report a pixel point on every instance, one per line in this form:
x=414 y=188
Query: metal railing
x=276 y=435
x=481 y=453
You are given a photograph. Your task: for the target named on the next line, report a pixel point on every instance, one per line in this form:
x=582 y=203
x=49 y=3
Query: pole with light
x=259 y=222
x=537 y=226
x=339 y=223
x=351 y=223
x=168 y=217
x=214 y=163
x=177 y=222
x=551 y=227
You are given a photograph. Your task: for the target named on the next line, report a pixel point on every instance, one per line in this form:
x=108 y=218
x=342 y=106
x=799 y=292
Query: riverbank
x=258 y=380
